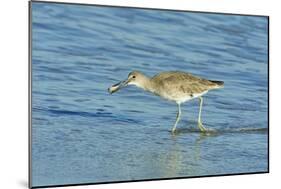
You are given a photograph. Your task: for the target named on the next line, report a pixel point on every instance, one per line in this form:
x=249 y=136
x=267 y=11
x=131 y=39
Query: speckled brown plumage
x=176 y=84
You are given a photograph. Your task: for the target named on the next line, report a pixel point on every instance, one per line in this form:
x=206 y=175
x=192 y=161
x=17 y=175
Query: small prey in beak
x=134 y=78
x=117 y=86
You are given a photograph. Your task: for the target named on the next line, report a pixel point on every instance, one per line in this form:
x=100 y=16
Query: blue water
x=82 y=134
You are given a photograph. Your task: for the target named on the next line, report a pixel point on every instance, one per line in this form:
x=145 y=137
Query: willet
x=174 y=86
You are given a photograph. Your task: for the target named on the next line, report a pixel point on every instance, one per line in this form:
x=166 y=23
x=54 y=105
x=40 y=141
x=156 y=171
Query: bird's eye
x=134 y=76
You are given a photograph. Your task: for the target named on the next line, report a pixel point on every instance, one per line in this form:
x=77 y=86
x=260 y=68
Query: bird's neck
x=147 y=84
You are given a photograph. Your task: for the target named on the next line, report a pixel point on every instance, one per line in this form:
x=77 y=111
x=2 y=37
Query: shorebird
x=175 y=86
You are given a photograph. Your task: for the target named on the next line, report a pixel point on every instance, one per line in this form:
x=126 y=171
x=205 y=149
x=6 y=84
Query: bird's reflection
x=178 y=162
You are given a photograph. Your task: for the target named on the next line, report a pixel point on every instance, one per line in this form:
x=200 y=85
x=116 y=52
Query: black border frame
x=142 y=180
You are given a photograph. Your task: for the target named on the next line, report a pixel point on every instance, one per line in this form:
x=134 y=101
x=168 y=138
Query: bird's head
x=134 y=78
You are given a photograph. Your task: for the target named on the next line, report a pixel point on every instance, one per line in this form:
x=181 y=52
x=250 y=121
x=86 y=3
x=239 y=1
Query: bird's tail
x=218 y=84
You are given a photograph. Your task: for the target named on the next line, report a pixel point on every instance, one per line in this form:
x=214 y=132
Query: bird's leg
x=178 y=118
x=200 y=125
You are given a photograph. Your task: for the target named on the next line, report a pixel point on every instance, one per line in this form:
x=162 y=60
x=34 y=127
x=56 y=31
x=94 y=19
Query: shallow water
x=82 y=134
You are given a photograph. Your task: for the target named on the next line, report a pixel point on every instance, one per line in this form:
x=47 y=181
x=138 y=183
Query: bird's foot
x=201 y=127
x=174 y=130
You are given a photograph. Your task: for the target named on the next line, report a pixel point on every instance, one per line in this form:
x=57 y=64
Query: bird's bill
x=117 y=86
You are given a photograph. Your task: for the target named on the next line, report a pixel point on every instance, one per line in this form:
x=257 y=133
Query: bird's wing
x=182 y=82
